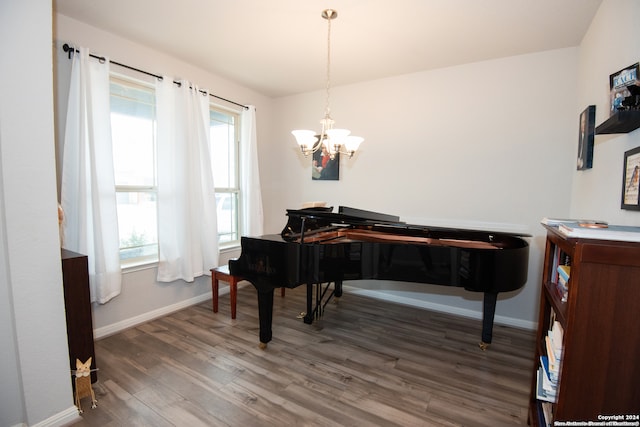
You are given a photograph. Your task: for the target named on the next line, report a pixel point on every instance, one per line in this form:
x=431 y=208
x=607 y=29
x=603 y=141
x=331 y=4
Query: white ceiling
x=278 y=47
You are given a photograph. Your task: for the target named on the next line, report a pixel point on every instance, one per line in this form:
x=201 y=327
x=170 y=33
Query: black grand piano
x=319 y=246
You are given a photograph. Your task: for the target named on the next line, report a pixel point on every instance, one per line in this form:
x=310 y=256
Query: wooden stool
x=222 y=273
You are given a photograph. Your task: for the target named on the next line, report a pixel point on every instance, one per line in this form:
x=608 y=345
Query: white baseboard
x=473 y=314
x=65 y=418
x=114 y=328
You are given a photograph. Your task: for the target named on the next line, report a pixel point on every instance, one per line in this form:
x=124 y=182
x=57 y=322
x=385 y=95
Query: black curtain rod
x=70 y=50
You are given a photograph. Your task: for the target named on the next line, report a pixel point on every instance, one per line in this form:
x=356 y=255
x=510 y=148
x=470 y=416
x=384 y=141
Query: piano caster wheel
x=483 y=345
x=262 y=346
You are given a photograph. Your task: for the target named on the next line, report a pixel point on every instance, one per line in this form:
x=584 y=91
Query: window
x=225 y=137
x=134 y=158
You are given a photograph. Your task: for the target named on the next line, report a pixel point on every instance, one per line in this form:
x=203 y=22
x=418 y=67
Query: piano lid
x=313 y=220
x=323 y=218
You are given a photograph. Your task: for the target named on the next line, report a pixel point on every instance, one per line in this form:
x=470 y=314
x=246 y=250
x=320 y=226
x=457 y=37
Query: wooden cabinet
x=599 y=370
x=77 y=302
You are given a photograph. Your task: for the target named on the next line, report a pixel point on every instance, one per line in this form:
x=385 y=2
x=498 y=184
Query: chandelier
x=334 y=140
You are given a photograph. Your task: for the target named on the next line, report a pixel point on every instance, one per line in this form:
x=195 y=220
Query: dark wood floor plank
x=365 y=363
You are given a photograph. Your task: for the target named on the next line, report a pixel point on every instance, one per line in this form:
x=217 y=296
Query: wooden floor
x=366 y=363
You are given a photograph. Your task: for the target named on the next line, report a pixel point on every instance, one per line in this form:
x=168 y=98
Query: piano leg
x=337 y=290
x=488 y=313
x=265 y=312
x=308 y=317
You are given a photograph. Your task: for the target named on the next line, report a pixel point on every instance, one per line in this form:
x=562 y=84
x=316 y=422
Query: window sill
x=138 y=265
x=230 y=248
x=147 y=264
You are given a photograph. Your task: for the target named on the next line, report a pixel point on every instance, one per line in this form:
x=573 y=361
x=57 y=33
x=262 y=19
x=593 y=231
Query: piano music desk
x=222 y=273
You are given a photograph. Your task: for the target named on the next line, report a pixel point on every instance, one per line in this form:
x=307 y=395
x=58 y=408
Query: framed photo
x=585 y=137
x=323 y=167
x=619 y=85
x=630 y=180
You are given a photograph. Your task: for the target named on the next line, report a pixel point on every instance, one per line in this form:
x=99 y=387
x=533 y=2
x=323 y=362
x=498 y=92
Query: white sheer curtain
x=251 y=193
x=88 y=195
x=187 y=223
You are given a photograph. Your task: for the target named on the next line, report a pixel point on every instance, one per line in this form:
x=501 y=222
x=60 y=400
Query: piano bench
x=222 y=273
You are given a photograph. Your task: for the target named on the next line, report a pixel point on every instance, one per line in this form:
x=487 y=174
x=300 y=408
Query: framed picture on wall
x=585 y=138
x=630 y=180
x=619 y=83
x=323 y=167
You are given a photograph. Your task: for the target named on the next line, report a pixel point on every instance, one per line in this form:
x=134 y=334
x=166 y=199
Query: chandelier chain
x=328 y=109
x=335 y=141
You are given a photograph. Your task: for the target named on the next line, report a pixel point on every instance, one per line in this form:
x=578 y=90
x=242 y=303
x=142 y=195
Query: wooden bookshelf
x=599 y=372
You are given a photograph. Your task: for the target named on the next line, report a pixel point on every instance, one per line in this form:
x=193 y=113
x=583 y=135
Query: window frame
x=237 y=190
x=129 y=81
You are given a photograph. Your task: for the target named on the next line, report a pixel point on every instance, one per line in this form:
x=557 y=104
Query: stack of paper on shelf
x=555 y=222
x=542 y=391
x=553 y=342
x=611 y=232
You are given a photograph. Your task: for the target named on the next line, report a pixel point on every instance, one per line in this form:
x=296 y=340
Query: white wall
x=142 y=297
x=611 y=44
x=35 y=381
x=488 y=144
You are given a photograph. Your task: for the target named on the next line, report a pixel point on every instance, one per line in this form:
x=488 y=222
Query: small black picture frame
x=631 y=180
x=586 y=133
x=619 y=83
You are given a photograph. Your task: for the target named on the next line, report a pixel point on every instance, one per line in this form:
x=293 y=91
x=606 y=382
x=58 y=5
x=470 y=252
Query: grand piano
x=318 y=246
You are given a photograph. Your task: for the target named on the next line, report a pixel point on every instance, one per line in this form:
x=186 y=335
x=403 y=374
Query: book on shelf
x=562 y=285
x=314 y=204
x=611 y=232
x=554 y=345
x=552 y=375
x=564 y=271
x=541 y=393
x=560 y=259
x=557 y=335
x=554 y=363
x=556 y=263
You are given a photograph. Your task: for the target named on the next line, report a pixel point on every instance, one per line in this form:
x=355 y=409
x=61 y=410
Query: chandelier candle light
x=335 y=140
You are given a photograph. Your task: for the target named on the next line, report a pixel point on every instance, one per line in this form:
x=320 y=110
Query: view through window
x=224 y=162
x=134 y=156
